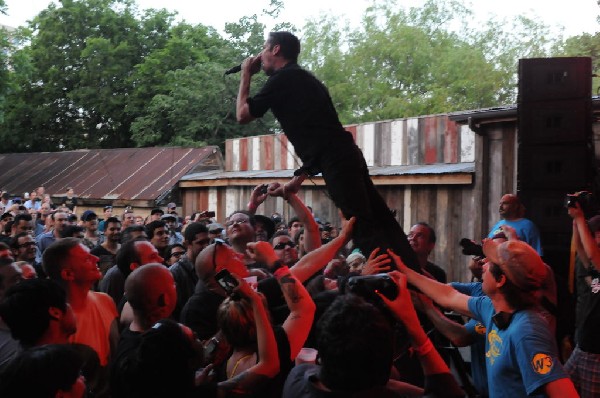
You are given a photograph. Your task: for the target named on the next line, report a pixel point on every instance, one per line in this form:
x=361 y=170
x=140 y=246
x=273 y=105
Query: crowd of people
x=256 y=306
x=188 y=306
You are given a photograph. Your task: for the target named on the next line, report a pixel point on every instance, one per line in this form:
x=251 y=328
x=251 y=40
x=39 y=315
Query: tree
x=425 y=60
x=82 y=54
x=584 y=45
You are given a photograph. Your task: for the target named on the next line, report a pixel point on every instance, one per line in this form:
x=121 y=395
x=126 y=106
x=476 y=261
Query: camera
x=585 y=200
x=365 y=286
x=263 y=189
x=471 y=248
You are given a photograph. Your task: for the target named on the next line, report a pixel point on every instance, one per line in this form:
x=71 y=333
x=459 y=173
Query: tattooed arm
x=302 y=309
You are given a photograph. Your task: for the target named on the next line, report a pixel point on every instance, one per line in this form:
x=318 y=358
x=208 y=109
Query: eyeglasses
x=282 y=245
x=236 y=222
x=177 y=254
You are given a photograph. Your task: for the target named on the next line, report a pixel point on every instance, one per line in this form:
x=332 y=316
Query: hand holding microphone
x=254 y=63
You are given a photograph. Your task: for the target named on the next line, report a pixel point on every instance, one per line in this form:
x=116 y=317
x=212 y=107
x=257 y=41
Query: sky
x=576 y=16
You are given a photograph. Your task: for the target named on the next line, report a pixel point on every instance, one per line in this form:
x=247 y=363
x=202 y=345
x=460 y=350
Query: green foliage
x=426 y=60
x=101 y=73
x=585 y=45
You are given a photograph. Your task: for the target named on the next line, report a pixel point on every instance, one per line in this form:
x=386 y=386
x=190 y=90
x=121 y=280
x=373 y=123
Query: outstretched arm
x=454 y=331
x=302 y=309
x=403 y=310
x=312 y=236
x=587 y=240
x=315 y=261
x=268 y=357
x=444 y=295
x=257 y=197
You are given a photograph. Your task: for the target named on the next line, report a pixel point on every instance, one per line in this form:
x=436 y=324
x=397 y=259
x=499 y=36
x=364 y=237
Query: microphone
x=235 y=69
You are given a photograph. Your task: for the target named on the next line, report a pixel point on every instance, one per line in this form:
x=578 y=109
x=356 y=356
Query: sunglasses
x=282 y=245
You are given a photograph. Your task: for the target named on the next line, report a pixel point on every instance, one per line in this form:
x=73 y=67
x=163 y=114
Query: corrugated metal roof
x=125 y=173
x=440 y=168
x=499 y=112
x=485 y=113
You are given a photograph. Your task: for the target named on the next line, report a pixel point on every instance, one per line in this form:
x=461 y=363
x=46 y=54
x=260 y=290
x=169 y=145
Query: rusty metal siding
x=451 y=142
x=242 y=154
x=229 y=159
x=115 y=174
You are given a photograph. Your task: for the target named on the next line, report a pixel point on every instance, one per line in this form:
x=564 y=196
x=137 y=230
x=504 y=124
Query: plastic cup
x=306 y=355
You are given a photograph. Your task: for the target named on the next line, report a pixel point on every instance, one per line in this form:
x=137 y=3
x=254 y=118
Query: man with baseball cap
x=521 y=353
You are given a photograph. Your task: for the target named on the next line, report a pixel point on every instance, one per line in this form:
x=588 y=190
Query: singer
x=303 y=107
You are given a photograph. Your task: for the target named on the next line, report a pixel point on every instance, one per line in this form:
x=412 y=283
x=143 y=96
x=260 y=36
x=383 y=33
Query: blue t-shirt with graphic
x=521 y=358
x=476 y=329
x=526 y=231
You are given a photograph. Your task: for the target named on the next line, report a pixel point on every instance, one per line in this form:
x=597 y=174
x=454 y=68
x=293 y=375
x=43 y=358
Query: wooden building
x=447 y=170
x=424 y=168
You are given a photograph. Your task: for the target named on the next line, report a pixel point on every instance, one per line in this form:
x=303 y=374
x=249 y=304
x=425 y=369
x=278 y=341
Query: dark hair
x=126 y=255
x=358 y=360
x=316 y=285
x=8 y=227
x=71 y=230
x=4 y=262
x=14 y=242
x=516 y=297
x=171 y=247
x=112 y=220
x=126 y=233
x=292 y=221
x=151 y=227
x=280 y=233
x=20 y=217
x=432 y=236
x=160 y=366
x=194 y=229
x=6 y=215
x=25 y=308
x=41 y=372
x=236 y=320
x=55 y=255
x=288 y=43
x=298 y=235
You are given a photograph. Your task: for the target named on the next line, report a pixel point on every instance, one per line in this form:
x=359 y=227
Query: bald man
x=152 y=296
x=512 y=213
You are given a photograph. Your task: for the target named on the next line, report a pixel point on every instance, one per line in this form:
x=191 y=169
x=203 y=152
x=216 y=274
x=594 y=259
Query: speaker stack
x=555 y=152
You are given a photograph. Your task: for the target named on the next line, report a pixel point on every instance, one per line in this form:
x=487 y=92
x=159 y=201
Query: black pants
x=350 y=187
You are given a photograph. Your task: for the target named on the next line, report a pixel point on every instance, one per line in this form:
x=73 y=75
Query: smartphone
x=226 y=280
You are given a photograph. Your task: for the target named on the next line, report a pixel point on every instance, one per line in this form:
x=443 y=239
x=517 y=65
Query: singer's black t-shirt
x=303 y=107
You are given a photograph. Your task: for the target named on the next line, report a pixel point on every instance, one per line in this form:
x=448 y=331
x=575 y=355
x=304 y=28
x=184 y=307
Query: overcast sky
x=576 y=16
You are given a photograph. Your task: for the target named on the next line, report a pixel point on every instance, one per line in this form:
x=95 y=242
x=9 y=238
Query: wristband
x=281 y=271
x=424 y=348
x=252 y=207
